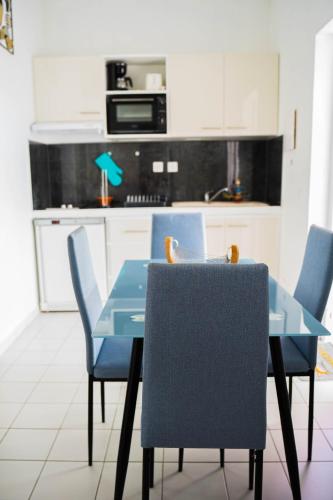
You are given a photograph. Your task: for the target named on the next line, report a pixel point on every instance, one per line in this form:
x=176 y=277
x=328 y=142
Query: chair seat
x=294 y=361
x=114 y=358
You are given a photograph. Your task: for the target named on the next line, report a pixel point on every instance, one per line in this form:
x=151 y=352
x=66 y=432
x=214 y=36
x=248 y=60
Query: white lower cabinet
x=127 y=239
x=257 y=237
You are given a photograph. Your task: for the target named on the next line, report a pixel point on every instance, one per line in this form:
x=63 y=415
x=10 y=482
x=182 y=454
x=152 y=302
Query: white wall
x=294 y=27
x=320 y=203
x=18 y=297
x=150 y=26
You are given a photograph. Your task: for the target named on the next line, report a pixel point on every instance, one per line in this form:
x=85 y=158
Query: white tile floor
x=43 y=454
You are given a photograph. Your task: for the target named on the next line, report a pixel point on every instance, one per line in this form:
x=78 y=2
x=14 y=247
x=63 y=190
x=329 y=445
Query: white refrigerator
x=54 y=279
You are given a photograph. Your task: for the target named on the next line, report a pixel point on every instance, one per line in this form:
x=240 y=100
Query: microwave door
x=132 y=115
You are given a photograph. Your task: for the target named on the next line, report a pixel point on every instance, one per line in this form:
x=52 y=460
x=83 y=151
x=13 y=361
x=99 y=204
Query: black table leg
x=128 y=417
x=285 y=416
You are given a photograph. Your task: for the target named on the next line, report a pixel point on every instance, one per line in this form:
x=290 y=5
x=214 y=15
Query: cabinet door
x=215 y=236
x=251 y=93
x=240 y=232
x=127 y=239
x=68 y=88
x=267 y=243
x=195 y=89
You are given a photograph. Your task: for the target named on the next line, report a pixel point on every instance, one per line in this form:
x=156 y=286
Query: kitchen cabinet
x=257 y=237
x=195 y=92
x=251 y=94
x=125 y=234
x=223 y=94
x=127 y=238
x=69 y=89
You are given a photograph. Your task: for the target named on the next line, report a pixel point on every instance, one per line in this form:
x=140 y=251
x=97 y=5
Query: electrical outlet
x=158 y=167
x=172 y=167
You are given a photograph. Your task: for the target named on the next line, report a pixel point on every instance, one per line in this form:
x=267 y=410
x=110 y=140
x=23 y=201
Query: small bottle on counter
x=237 y=190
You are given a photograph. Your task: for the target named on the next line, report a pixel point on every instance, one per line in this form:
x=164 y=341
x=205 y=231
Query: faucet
x=209 y=198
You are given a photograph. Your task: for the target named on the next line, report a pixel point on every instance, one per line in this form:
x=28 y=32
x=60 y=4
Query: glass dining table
x=123 y=315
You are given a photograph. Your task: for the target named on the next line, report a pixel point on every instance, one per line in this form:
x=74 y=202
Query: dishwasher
x=54 y=278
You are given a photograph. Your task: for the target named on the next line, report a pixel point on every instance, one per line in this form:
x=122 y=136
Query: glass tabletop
x=124 y=312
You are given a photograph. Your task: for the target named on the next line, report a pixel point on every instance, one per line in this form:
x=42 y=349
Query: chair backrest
x=86 y=291
x=314 y=283
x=187 y=229
x=205 y=356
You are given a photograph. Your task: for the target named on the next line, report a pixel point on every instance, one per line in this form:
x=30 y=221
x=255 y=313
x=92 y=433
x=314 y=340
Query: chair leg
x=310 y=422
x=180 y=459
x=151 y=468
x=103 y=401
x=222 y=457
x=251 y=469
x=145 y=473
x=90 y=417
x=290 y=390
x=258 y=480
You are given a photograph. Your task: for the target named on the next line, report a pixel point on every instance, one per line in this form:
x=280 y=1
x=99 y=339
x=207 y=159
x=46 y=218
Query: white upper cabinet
x=195 y=92
x=69 y=88
x=223 y=94
x=251 y=94
x=212 y=94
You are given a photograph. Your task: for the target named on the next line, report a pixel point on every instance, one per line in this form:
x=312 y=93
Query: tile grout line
x=105 y=454
x=50 y=450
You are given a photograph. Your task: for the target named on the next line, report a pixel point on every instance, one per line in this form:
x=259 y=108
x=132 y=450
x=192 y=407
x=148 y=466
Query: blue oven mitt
x=115 y=173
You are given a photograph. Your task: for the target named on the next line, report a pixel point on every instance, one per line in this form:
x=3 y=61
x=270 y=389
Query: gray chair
x=312 y=291
x=205 y=360
x=187 y=228
x=107 y=359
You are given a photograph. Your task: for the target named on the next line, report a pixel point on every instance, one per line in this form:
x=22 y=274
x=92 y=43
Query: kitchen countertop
x=214 y=208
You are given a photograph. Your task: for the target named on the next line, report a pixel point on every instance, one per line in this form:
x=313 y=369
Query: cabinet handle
x=214 y=226
x=90 y=112
x=238 y=225
x=141 y=231
x=236 y=127
x=211 y=128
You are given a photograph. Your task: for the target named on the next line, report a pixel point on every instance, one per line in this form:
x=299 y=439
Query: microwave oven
x=136 y=114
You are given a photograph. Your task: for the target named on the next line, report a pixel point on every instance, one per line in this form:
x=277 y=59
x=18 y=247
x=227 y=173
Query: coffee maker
x=116 y=78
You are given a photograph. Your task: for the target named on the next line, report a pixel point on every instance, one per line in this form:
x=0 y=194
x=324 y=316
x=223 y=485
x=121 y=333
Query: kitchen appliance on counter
x=153 y=81
x=116 y=76
x=54 y=278
x=146 y=200
x=136 y=114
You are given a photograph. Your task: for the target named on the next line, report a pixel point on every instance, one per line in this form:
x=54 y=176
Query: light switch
x=158 y=167
x=172 y=167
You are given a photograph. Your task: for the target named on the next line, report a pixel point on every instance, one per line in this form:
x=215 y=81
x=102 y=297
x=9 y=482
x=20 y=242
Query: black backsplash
x=66 y=173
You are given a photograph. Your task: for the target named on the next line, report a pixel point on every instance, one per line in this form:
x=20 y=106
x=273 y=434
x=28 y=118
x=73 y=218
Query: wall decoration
x=6 y=25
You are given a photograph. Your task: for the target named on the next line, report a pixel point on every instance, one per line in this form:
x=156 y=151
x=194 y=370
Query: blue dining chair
x=205 y=360
x=187 y=228
x=312 y=291
x=106 y=359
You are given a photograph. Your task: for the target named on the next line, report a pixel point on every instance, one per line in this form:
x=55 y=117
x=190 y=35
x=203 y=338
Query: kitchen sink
x=198 y=204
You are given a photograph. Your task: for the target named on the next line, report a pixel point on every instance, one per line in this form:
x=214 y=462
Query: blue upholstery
x=314 y=284
x=187 y=229
x=114 y=359
x=86 y=291
x=105 y=358
x=205 y=356
x=293 y=359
